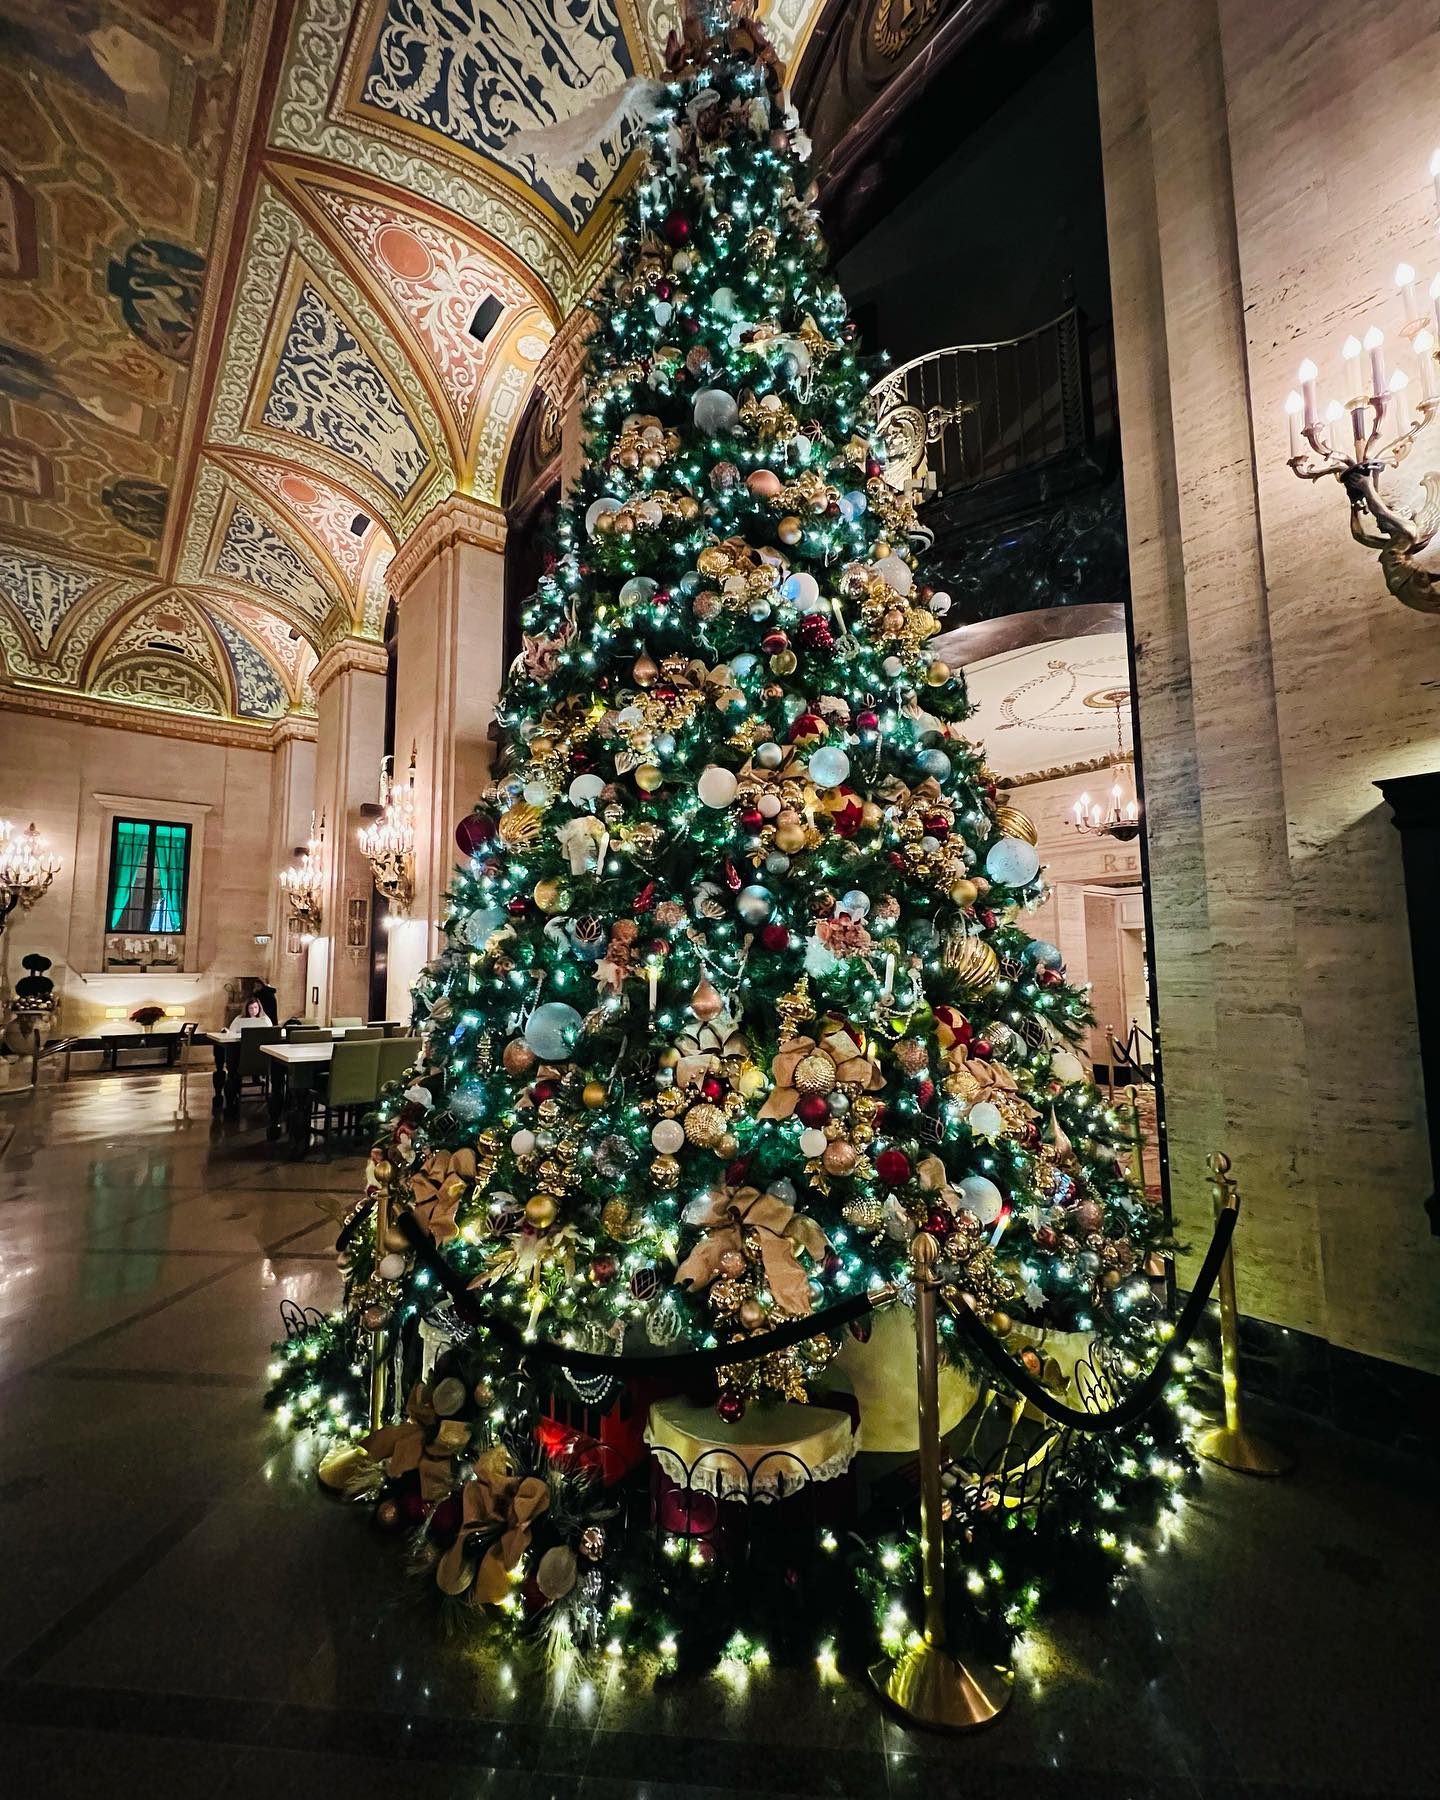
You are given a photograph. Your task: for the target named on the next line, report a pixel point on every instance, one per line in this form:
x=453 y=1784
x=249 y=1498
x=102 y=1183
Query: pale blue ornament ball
x=1012 y=862
x=551 y=1031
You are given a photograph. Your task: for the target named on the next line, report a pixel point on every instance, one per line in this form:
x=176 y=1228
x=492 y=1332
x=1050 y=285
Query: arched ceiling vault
x=271 y=286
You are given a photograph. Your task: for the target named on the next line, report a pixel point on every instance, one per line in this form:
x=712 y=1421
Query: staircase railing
x=982 y=411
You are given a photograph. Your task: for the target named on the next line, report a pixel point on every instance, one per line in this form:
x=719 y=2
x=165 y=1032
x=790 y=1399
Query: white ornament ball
x=982 y=1198
x=585 y=790
x=607 y=503
x=523 y=1142
x=716 y=786
x=813 y=1142
x=984 y=1120
x=667 y=1136
x=802 y=590
x=895 y=572
x=1012 y=862
x=828 y=766
x=1066 y=1066
x=716 y=411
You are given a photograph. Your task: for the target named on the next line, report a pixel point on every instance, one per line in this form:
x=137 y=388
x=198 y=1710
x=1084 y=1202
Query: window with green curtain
x=149 y=872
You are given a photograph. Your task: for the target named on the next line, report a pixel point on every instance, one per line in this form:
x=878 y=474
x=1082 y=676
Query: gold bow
x=849 y=1067
x=780 y=1232
x=497 y=1509
x=409 y=1445
x=438 y=1188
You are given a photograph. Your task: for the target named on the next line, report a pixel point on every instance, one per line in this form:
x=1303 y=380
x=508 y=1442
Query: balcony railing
x=985 y=411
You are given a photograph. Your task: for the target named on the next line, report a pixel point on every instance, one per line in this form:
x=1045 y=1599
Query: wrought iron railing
x=983 y=411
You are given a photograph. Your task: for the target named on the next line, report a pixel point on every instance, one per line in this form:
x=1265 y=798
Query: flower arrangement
x=147 y=1016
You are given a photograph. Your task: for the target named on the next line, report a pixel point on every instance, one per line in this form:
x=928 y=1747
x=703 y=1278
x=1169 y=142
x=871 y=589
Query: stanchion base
x=930 y=1687
x=1242 y=1451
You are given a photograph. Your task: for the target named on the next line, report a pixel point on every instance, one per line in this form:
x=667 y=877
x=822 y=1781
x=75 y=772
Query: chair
x=396 y=1056
x=354 y=1032
x=308 y=1034
x=340 y=1024
x=250 y=1064
x=352 y=1082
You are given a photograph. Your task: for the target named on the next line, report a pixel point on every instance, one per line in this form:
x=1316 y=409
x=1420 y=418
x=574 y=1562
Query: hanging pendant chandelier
x=1120 y=818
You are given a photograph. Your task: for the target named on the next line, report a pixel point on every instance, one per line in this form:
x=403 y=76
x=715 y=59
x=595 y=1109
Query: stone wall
x=56 y=773
x=1265 y=170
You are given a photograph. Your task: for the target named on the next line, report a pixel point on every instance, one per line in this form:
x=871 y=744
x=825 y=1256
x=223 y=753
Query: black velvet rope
x=972 y=1328
x=590 y=1362
x=1141 y=1397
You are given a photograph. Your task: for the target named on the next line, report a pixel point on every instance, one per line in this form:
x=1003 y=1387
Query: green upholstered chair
x=352 y=1083
x=354 y=1033
x=396 y=1056
x=308 y=1034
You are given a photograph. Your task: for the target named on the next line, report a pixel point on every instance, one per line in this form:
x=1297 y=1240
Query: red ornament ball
x=893 y=1167
x=982 y=1048
x=867 y=721
x=750 y=819
x=813 y=1109
x=939 y=1224
x=677 y=229
x=517 y=906
x=775 y=937
x=808 y=728
x=474 y=831
x=731 y=1407
x=712 y=1087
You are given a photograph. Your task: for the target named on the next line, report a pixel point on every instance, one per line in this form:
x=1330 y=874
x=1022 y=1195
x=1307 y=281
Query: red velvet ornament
x=897 y=861
x=663 y=289
x=808 y=728
x=849 y=816
x=473 y=831
x=893 y=1167
x=775 y=937
x=543 y=1091
x=937 y=827
x=677 y=229
x=812 y=1109
x=815 y=634
x=925 y=1093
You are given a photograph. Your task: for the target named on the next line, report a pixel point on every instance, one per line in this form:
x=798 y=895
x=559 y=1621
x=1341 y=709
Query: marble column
x=349 y=683
x=448 y=580
x=1261 y=183
x=292 y=795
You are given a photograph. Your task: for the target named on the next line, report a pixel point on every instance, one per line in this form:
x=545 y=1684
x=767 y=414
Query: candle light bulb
x=1404 y=274
x=1293 y=402
x=1333 y=412
x=1307 y=371
x=1435 y=163
x=1399 y=381
x=1351 y=348
x=1374 y=338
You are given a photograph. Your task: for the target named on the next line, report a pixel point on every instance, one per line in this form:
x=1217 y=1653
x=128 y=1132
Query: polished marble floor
x=181 y=1616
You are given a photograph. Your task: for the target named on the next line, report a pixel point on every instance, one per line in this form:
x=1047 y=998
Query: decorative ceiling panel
x=472 y=73
x=259 y=691
x=328 y=389
x=438 y=284
x=227 y=335
x=116 y=121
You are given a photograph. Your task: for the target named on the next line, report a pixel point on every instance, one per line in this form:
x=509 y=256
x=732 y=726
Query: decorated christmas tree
x=735 y=999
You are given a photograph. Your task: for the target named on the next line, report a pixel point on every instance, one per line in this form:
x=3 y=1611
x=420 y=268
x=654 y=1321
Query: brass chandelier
x=303 y=882
x=388 y=841
x=1121 y=818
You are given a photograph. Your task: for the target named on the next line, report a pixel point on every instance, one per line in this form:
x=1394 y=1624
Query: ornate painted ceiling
x=272 y=285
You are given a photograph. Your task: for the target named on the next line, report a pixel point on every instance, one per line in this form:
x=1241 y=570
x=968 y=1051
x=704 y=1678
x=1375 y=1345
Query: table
x=290 y=1091
x=116 y=1038
x=227 y=1062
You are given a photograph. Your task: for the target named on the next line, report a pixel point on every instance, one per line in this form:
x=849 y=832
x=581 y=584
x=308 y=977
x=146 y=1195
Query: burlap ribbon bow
x=498 y=1511
x=818 y=1067
x=410 y=1445
x=437 y=1189
x=779 y=1230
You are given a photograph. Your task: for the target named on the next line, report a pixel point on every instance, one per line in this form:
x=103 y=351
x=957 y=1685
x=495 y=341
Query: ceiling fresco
x=273 y=284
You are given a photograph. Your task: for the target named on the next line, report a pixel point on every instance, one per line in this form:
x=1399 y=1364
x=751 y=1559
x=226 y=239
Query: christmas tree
x=734 y=999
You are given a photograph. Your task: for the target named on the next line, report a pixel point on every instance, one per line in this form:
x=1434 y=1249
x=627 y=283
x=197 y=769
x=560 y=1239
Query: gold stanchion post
x=1231 y=1444
x=1137 y=1136
x=928 y=1683
x=379 y=1352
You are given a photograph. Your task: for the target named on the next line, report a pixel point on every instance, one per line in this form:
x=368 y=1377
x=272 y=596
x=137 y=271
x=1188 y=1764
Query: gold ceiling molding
x=124 y=715
x=1087 y=766
x=458 y=520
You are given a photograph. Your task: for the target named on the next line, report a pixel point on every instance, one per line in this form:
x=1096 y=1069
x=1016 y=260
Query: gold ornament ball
x=619 y=1221
x=783 y=662
x=728 y=1146
x=790 y=837
x=839 y=1158
x=1015 y=824
x=752 y=1314
x=864 y=1215
x=790 y=529
x=974 y=964
x=541 y=1211
x=550 y=895
x=938 y=673
x=593 y=1093
x=665 y=1173
x=732 y=1263
x=964 y=893
x=648 y=778
x=712 y=560
x=1000 y=1323
x=518 y=1057
x=815 y=1074
x=604 y=524
x=688 y=508
x=704 y=1124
